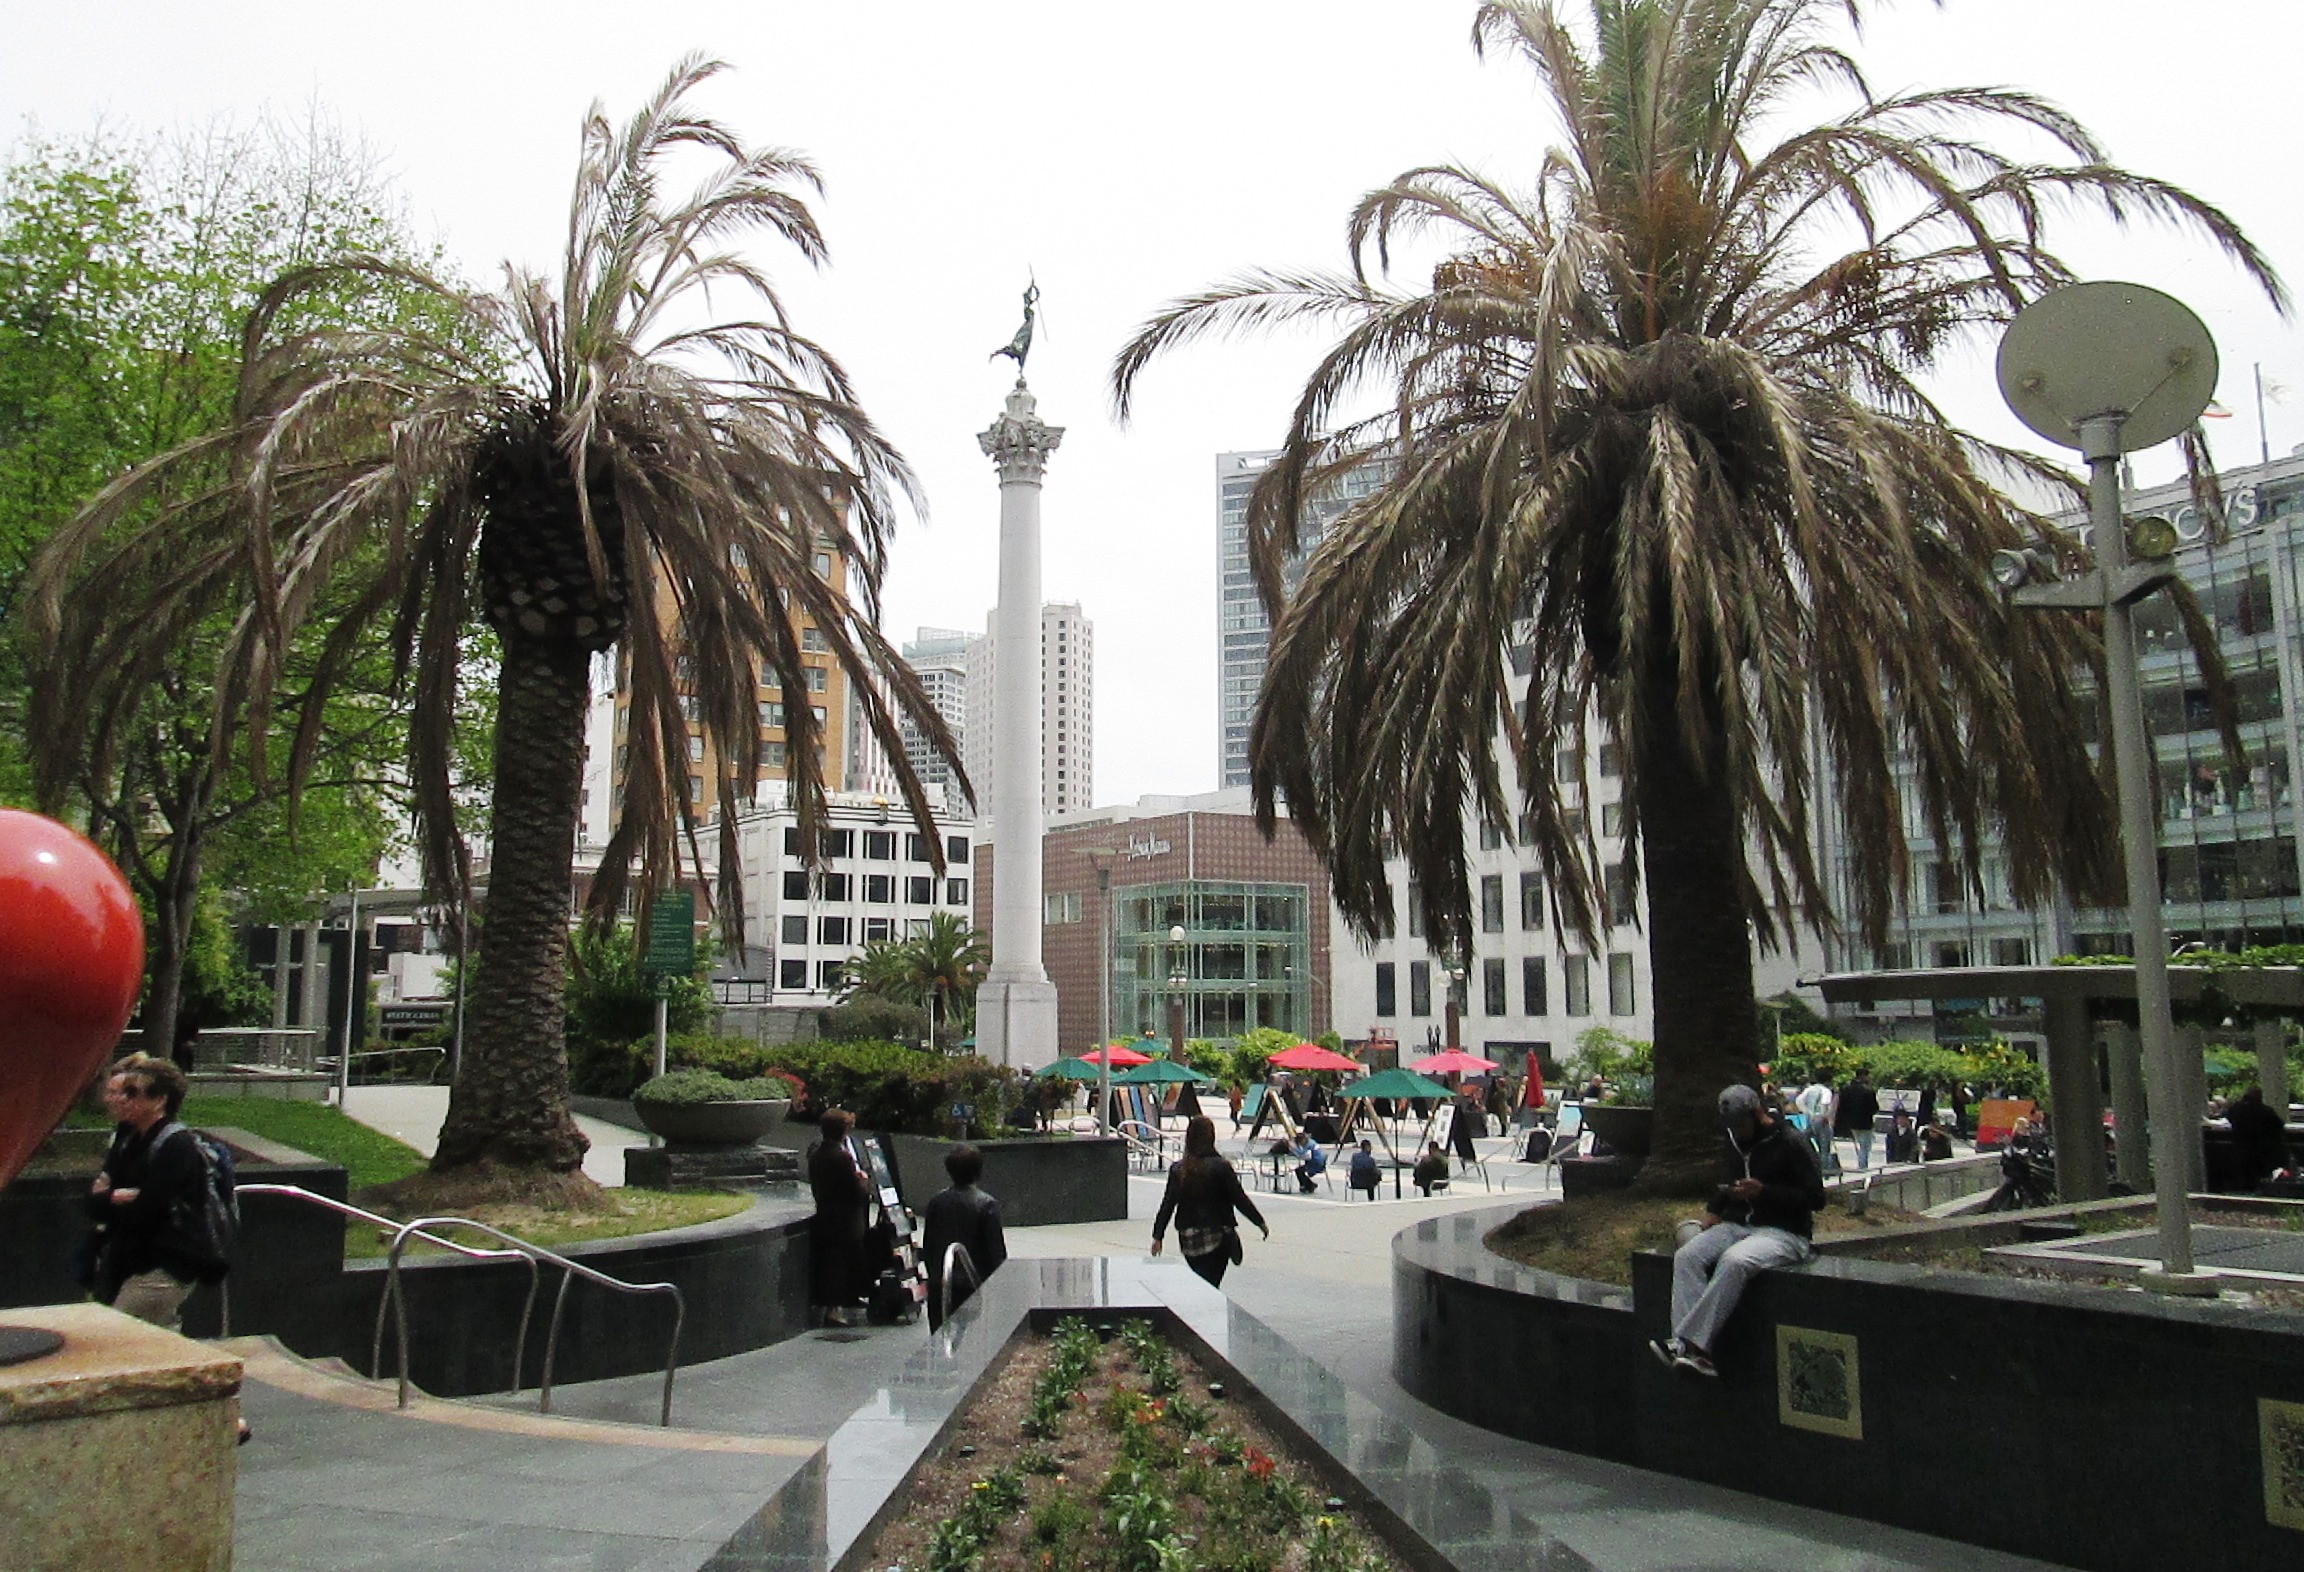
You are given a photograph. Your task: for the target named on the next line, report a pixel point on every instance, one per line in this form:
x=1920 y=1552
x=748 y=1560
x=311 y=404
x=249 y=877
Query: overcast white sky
x=1126 y=154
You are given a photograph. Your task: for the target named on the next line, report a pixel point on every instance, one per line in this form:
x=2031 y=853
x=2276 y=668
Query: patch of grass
x=626 y=1212
x=1595 y=1238
x=369 y=1156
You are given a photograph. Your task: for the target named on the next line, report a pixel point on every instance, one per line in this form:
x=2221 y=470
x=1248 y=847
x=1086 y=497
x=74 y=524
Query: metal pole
x=2172 y=1124
x=1104 y=998
x=463 y=972
x=354 y=988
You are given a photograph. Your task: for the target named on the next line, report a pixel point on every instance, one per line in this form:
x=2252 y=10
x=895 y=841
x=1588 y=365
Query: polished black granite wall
x=1038 y=1180
x=2094 y=1427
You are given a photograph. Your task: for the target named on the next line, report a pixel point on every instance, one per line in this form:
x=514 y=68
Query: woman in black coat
x=843 y=1208
x=1203 y=1196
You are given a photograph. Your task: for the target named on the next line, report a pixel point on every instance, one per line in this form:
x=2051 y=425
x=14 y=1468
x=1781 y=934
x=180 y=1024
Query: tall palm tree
x=1656 y=425
x=584 y=463
x=937 y=970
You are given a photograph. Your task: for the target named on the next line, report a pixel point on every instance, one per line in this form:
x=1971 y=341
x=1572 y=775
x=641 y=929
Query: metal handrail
x=376 y=1340
x=944 y=1279
x=535 y=1252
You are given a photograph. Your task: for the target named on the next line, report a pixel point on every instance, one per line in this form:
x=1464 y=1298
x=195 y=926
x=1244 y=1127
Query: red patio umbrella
x=1120 y=1057
x=1311 y=1056
x=1455 y=1061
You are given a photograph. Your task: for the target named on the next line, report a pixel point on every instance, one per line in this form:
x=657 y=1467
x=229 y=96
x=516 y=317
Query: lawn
x=369 y=1156
x=624 y=1212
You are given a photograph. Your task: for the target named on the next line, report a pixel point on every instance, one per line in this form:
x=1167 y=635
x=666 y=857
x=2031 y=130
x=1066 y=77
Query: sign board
x=1996 y=1120
x=412 y=1017
x=1899 y=1100
x=671 y=935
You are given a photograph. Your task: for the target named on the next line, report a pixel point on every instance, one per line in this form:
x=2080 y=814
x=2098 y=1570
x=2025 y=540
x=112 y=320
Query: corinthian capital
x=1019 y=442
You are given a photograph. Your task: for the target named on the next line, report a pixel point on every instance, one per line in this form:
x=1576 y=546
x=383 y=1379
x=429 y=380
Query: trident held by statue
x=1021 y=345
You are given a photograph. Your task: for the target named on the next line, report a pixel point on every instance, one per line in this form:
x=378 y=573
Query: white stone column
x=1016 y=1005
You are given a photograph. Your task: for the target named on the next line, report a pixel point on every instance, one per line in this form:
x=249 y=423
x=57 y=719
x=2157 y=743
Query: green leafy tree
x=124 y=276
x=936 y=970
x=1653 y=431
x=615 y=466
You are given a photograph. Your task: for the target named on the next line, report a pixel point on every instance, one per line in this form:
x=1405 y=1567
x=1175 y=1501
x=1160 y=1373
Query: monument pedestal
x=1016 y=1022
x=119 y=1450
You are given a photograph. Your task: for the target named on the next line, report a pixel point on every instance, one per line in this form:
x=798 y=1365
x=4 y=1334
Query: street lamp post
x=1177 y=976
x=2110 y=369
x=1455 y=1011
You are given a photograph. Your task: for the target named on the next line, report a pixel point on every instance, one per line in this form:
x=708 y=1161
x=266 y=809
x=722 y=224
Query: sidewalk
x=413 y=1114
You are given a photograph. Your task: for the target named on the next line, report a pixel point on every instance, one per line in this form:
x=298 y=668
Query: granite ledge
x=110 y=1362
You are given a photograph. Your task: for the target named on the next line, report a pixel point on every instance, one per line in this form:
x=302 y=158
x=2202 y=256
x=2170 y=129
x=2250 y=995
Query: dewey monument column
x=1016 y=1005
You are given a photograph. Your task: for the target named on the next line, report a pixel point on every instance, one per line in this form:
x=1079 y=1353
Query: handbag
x=1233 y=1251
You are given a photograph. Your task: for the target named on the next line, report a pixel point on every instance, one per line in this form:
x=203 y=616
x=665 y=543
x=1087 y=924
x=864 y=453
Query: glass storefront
x=1244 y=961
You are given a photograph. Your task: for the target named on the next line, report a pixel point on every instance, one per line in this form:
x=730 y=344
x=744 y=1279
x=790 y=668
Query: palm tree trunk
x=1693 y=856
x=509 y=1105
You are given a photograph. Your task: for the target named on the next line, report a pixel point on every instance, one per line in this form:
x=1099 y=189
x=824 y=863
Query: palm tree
x=937 y=970
x=1655 y=428
x=578 y=464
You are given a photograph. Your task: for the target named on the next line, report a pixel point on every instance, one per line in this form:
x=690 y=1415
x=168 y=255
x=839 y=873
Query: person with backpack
x=155 y=1200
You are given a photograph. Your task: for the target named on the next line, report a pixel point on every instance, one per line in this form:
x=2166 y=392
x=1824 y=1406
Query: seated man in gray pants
x=1761 y=1217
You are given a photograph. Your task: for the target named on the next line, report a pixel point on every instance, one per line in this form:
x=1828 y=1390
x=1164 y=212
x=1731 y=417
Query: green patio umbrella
x=1161 y=1070
x=1395 y=1083
x=1070 y=1070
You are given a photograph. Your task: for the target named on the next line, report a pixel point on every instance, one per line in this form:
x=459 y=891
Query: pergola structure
x=2069 y=998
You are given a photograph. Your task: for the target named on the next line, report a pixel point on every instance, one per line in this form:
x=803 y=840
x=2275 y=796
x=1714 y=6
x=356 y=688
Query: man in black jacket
x=153 y=1168
x=962 y=1215
x=1762 y=1217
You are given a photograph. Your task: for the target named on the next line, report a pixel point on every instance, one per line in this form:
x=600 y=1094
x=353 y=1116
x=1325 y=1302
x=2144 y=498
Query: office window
x=1531 y=902
x=1611 y=818
x=792 y=975
x=1576 y=984
x=920 y=890
x=695 y=788
x=771 y=712
x=1062 y=907
x=830 y=975
x=880 y=845
x=1419 y=987
x=817 y=678
x=816 y=712
x=832 y=930
x=795 y=886
x=1611 y=759
x=812 y=639
x=1623 y=989
x=1492 y=903
x=1387 y=990
x=955 y=892
x=879 y=929
x=795 y=930
x=1415 y=910
x=791 y=842
x=832 y=886
x=695 y=748
x=1491 y=837
x=772 y=754
x=1621 y=890
x=916 y=848
x=880 y=889
x=839 y=843
x=1570 y=765
x=2011 y=952
x=1493 y=1000
x=956 y=848
x=1532 y=995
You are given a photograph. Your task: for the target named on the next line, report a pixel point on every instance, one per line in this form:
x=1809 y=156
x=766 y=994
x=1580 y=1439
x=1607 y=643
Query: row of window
x=1535 y=992
x=877 y=889
x=840 y=932
x=879 y=845
x=1619 y=894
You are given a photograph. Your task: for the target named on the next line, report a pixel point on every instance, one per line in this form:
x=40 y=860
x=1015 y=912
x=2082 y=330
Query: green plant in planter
x=693 y=1088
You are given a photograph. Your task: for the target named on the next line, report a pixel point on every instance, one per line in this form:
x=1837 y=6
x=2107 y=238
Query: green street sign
x=672 y=934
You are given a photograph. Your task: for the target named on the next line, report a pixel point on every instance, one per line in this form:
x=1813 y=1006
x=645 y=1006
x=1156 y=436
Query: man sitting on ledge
x=1762 y=1217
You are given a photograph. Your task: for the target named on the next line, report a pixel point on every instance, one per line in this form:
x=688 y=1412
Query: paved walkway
x=413 y=1114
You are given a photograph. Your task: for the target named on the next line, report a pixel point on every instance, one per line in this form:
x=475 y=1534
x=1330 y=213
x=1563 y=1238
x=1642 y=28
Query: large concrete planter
x=1626 y=1130
x=713 y=1124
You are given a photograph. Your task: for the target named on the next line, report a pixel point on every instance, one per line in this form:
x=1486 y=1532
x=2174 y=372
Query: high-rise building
x=1067 y=711
x=1244 y=632
x=939 y=658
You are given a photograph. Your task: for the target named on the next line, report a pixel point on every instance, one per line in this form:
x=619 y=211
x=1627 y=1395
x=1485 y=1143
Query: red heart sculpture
x=71 y=961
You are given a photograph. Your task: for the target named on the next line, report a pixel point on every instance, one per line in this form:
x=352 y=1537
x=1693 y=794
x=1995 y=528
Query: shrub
x=687 y=1088
x=866 y=1019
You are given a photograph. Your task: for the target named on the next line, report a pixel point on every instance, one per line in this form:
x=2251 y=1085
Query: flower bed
x=1087 y=1455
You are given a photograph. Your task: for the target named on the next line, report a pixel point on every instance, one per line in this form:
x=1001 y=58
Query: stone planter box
x=1037 y=1180
x=713 y=1124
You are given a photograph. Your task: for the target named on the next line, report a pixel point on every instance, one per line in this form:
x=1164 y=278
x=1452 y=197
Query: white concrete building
x=939 y=658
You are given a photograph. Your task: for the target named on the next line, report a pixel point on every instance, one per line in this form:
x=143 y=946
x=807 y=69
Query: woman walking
x=1203 y=1196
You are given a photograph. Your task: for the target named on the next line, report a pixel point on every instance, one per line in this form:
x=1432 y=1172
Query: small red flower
x=1260 y=1466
